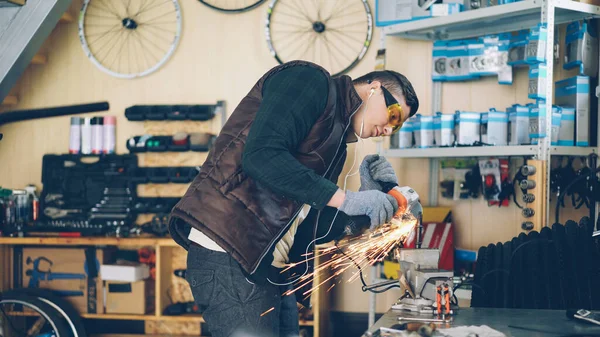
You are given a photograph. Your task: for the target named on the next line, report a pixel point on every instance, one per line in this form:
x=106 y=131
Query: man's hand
x=413 y=204
x=379 y=206
x=373 y=170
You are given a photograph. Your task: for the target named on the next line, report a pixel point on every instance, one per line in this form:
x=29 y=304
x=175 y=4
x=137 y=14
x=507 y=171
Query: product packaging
x=426 y=131
x=574 y=92
x=556 y=116
x=437 y=129
x=566 y=133
x=446 y=9
x=483 y=55
x=497 y=128
x=505 y=71
x=109 y=134
x=581 y=47
x=537 y=81
x=406 y=135
x=86 y=136
x=97 y=135
x=458 y=61
x=483 y=128
x=519 y=124
x=447 y=131
x=469 y=128
x=491 y=180
x=75 y=136
x=388 y=12
x=439 y=61
x=537 y=122
x=516 y=48
x=535 y=52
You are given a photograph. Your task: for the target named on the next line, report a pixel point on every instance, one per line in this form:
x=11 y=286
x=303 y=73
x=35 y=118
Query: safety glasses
x=395 y=113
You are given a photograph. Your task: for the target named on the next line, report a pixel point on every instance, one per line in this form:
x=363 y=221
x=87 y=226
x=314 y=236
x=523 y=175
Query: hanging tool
x=36 y=275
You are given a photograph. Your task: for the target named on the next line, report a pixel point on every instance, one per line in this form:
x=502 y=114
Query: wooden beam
x=66 y=18
x=39 y=59
x=10 y=100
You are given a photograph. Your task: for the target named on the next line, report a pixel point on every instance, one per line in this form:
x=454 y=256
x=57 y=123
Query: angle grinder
x=408 y=204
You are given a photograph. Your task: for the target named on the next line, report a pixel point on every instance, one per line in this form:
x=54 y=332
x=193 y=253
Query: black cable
x=362 y=279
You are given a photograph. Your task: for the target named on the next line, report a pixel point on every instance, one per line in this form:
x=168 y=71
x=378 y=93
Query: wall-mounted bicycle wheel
x=332 y=33
x=232 y=6
x=129 y=38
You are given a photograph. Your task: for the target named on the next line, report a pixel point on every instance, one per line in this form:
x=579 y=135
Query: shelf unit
x=474 y=23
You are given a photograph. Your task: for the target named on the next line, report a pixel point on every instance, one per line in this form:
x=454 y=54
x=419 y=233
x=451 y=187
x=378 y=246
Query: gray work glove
x=375 y=169
x=379 y=206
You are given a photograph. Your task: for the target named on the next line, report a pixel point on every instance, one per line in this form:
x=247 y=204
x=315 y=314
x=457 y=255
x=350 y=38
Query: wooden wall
x=223 y=63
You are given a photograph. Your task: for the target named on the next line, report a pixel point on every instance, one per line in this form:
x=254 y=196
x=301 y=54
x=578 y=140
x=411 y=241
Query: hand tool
x=422 y=319
x=55 y=213
x=584 y=315
x=36 y=275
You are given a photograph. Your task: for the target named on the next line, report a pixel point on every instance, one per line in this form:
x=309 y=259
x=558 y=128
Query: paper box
x=71 y=272
x=124 y=273
x=127 y=297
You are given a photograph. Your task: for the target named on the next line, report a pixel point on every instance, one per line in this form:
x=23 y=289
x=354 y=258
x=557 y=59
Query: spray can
x=75 y=137
x=97 y=135
x=109 y=134
x=86 y=136
x=34 y=203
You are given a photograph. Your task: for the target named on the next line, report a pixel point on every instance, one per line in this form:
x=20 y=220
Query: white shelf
x=491 y=20
x=572 y=150
x=486 y=151
x=466 y=151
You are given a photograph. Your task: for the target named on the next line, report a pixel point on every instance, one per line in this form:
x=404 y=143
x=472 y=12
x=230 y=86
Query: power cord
x=362 y=279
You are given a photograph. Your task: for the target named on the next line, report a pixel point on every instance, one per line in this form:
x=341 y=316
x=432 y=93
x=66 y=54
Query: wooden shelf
x=89 y=241
x=39 y=59
x=10 y=100
x=66 y=18
x=182 y=318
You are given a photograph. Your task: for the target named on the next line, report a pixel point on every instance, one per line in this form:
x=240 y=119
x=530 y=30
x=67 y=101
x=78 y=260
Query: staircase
x=24 y=26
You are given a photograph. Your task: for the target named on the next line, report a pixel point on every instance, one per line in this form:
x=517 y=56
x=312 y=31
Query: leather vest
x=243 y=217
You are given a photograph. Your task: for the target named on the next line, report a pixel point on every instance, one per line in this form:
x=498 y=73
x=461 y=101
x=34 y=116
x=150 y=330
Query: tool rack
x=484 y=21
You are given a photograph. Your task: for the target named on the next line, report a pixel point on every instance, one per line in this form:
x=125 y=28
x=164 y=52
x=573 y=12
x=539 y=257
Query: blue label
x=566 y=142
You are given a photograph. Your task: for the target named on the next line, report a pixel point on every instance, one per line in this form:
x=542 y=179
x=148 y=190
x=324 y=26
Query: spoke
x=100 y=25
x=103 y=8
x=158 y=23
x=143 y=7
x=151 y=42
x=144 y=53
x=293 y=31
x=331 y=53
x=338 y=12
x=102 y=16
x=311 y=43
x=290 y=15
x=318 y=4
x=158 y=17
x=341 y=52
x=348 y=25
x=294 y=8
x=110 y=49
x=127 y=7
x=147 y=9
x=346 y=35
x=160 y=37
x=347 y=14
x=303 y=3
x=332 y=9
x=148 y=50
x=158 y=29
x=114 y=28
x=298 y=48
x=285 y=23
x=125 y=40
x=110 y=5
x=112 y=31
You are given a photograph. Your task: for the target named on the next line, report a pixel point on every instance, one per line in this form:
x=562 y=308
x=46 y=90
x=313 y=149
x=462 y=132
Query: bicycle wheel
x=232 y=6
x=62 y=306
x=26 y=316
x=334 y=34
x=129 y=38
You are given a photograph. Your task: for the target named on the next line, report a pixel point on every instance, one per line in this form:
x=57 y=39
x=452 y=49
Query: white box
x=447 y=132
x=417 y=129
x=469 y=130
x=405 y=135
x=426 y=131
x=566 y=133
x=519 y=124
x=445 y=9
x=437 y=129
x=497 y=128
x=122 y=273
x=389 y=12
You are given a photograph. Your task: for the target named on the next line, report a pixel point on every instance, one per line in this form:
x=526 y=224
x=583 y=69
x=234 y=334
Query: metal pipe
x=23 y=115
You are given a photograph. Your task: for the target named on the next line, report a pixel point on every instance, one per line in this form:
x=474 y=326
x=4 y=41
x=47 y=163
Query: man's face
x=376 y=116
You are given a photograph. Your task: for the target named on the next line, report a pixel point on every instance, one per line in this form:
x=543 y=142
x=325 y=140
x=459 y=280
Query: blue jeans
x=233 y=304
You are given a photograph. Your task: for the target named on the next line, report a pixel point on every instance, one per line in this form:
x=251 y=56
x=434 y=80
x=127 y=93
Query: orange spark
x=268 y=311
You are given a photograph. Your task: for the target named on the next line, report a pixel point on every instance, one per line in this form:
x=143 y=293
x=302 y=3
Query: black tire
x=62 y=306
x=53 y=317
x=235 y=10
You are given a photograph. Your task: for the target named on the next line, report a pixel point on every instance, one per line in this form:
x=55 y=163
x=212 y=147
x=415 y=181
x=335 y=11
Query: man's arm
x=293 y=100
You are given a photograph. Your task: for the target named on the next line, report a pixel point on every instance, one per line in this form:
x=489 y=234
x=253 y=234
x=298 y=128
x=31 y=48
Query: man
x=267 y=191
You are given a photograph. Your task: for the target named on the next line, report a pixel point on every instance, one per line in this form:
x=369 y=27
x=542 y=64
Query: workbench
x=511 y=322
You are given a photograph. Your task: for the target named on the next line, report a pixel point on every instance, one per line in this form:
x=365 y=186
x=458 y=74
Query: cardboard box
x=72 y=272
x=124 y=273
x=127 y=297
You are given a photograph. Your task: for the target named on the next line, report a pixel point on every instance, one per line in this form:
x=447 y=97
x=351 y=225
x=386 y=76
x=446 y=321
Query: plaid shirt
x=293 y=100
